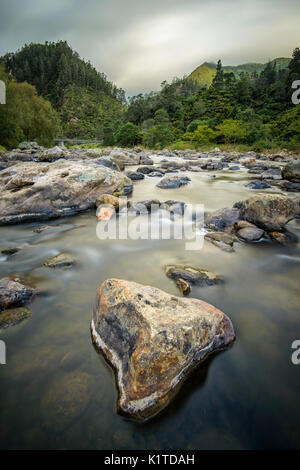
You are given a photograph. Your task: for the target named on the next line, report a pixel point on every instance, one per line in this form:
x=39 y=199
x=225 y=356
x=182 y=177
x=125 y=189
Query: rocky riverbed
x=52 y=264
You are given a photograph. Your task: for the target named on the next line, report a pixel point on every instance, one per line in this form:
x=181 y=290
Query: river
x=246 y=397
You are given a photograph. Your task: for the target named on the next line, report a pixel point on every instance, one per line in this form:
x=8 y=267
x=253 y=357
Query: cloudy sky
x=140 y=43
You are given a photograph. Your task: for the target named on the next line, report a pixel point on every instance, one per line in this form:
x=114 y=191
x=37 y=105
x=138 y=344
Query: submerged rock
x=173 y=182
x=153 y=340
x=222 y=240
x=270 y=211
x=63 y=260
x=14 y=293
x=11 y=251
x=199 y=277
x=37 y=191
x=13 y=316
x=65 y=399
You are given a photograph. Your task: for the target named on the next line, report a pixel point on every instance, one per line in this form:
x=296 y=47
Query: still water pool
x=56 y=392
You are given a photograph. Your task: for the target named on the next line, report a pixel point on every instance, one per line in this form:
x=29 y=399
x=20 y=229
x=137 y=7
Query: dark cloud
x=139 y=43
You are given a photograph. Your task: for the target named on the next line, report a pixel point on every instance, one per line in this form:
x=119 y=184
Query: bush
x=232 y=132
x=204 y=135
x=127 y=135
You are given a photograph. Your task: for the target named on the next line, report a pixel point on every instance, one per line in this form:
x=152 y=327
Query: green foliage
x=204 y=135
x=247 y=106
x=52 y=66
x=161 y=134
x=26 y=116
x=127 y=135
x=84 y=113
x=233 y=131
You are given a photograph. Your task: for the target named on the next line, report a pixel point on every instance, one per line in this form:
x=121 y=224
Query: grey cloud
x=140 y=43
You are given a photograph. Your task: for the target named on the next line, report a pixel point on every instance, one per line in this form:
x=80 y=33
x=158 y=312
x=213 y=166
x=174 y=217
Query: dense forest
x=53 y=92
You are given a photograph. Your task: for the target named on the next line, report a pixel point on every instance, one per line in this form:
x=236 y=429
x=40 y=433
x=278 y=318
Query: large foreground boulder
x=36 y=191
x=153 y=340
x=270 y=211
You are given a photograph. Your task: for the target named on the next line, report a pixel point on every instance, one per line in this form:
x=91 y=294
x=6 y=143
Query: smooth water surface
x=243 y=398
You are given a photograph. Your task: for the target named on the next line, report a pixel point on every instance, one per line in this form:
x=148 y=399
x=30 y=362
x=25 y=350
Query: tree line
x=52 y=92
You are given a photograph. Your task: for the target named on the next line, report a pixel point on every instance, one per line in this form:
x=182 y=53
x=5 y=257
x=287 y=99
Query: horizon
x=138 y=46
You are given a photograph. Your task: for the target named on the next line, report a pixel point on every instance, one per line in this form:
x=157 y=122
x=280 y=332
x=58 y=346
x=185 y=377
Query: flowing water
x=243 y=398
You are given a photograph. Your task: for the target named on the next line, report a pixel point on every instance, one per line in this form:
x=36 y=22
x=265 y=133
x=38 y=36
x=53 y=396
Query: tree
x=233 y=131
x=127 y=135
x=26 y=116
x=204 y=135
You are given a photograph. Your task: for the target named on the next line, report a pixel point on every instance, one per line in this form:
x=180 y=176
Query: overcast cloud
x=140 y=43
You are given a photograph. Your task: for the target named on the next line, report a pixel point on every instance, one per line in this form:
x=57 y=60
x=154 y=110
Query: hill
x=82 y=96
x=205 y=73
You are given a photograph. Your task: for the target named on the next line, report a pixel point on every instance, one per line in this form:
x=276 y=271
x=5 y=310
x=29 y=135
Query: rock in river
x=153 y=340
x=269 y=212
x=250 y=234
x=223 y=219
x=34 y=191
x=173 y=182
x=63 y=260
x=196 y=276
x=292 y=171
x=13 y=316
x=14 y=293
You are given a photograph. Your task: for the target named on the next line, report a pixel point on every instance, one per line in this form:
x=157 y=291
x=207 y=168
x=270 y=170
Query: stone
x=38 y=191
x=280 y=238
x=223 y=219
x=29 y=146
x=272 y=174
x=183 y=286
x=173 y=182
x=105 y=213
x=63 y=260
x=135 y=176
x=257 y=185
x=250 y=234
x=11 y=251
x=14 y=294
x=222 y=240
x=153 y=340
x=65 y=399
x=13 y=316
x=145 y=170
x=199 y=277
x=291 y=171
x=269 y=211
x=108 y=199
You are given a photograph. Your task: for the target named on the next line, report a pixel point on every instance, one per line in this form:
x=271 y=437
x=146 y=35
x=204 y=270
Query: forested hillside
x=205 y=73
x=53 y=92
x=83 y=97
x=248 y=108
